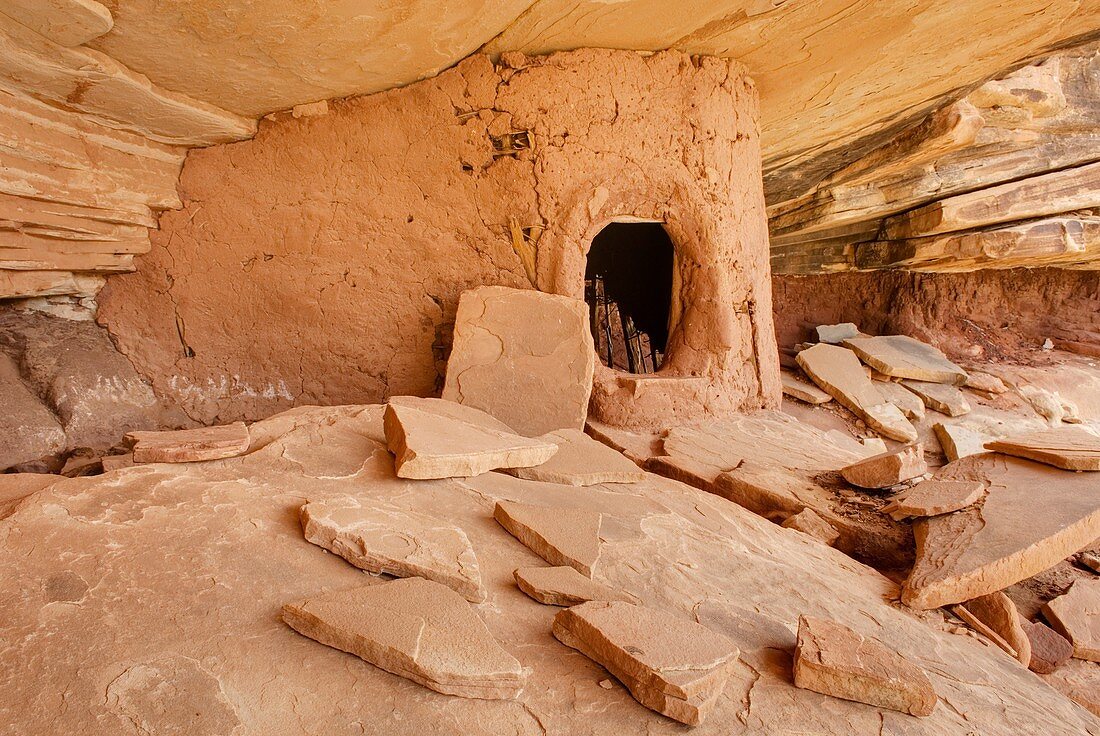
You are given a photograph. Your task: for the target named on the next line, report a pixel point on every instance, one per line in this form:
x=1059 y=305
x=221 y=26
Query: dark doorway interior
x=628 y=287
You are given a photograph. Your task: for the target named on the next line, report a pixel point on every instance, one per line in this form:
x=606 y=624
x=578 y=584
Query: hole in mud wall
x=628 y=287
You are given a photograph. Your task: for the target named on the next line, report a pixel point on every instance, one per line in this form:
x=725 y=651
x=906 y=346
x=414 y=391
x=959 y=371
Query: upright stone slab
x=671 y=665
x=838 y=372
x=415 y=628
x=1076 y=616
x=523 y=356
x=1033 y=517
x=995 y=615
x=434 y=438
x=900 y=356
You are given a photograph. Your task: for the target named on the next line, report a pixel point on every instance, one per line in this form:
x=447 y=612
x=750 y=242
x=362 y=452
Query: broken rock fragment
x=561 y=536
x=1049 y=649
x=887 y=469
x=905 y=400
x=796 y=388
x=900 y=356
x=834 y=660
x=563 y=586
x=1069 y=448
x=935 y=497
x=837 y=333
x=809 y=522
x=985 y=382
x=958 y=441
x=190 y=445
x=838 y=372
x=1032 y=517
x=581 y=461
x=382 y=538
x=414 y=628
x=1076 y=616
x=996 y=617
x=671 y=665
x=433 y=438
x=523 y=356
x=939 y=396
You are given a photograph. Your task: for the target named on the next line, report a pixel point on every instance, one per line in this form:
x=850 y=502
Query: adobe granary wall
x=321 y=262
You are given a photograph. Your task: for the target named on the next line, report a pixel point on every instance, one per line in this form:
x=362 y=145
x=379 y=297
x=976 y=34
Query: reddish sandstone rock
x=834 y=660
x=796 y=388
x=415 y=628
x=522 y=356
x=382 y=538
x=190 y=445
x=943 y=398
x=1069 y=448
x=563 y=586
x=434 y=438
x=996 y=617
x=28 y=431
x=581 y=461
x=808 y=522
x=900 y=356
x=935 y=497
x=669 y=664
x=1076 y=616
x=1049 y=649
x=887 y=469
x=561 y=536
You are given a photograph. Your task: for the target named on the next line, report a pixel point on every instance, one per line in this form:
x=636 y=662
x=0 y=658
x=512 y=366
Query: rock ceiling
x=829 y=71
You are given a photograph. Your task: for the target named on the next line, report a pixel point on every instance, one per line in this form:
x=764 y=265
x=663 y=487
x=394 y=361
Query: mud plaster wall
x=992 y=315
x=322 y=261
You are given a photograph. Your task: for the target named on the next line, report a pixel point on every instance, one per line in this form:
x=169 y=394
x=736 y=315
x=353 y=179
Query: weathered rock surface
x=796 y=388
x=908 y=402
x=29 y=430
x=1049 y=649
x=563 y=586
x=1080 y=682
x=996 y=617
x=958 y=441
x=117 y=462
x=901 y=356
x=561 y=536
x=1069 y=448
x=581 y=461
x=835 y=334
x=524 y=357
x=80 y=591
x=65 y=22
x=776 y=466
x=935 y=497
x=944 y=398
x=985 y=382
x=1076 y=616
x=674 y=666
x=809 y=522
x=435 y=438
x=190 y=445
x=832 y=659
x=887 y=469
x=15 y=487
x=838 y=372
x=1013 y=534
x=381 y=538
x=415 y=628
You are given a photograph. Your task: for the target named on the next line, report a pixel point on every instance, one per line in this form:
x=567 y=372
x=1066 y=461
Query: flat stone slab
x=935 y=497
x=381 y=538
x=671 y=665
x=1049 y=649
x=1032 y=517
x=581 y=461
x=809 y=522
x=561 y=536
x=942 y=397
x=905 y=400
x=523 y=356
x=838 y=372
x=414 y=628
x=563 y=586
x=901 y=356
x=1069 y=448
x=1076 y=616
x=834 y=334
x=887 y=469
x=434 y=438
x=832 y=659
x=958 y=442
x=190 y=445
x=804 y=391
x=197 y=560
x=995 y=616
x=985 y=382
